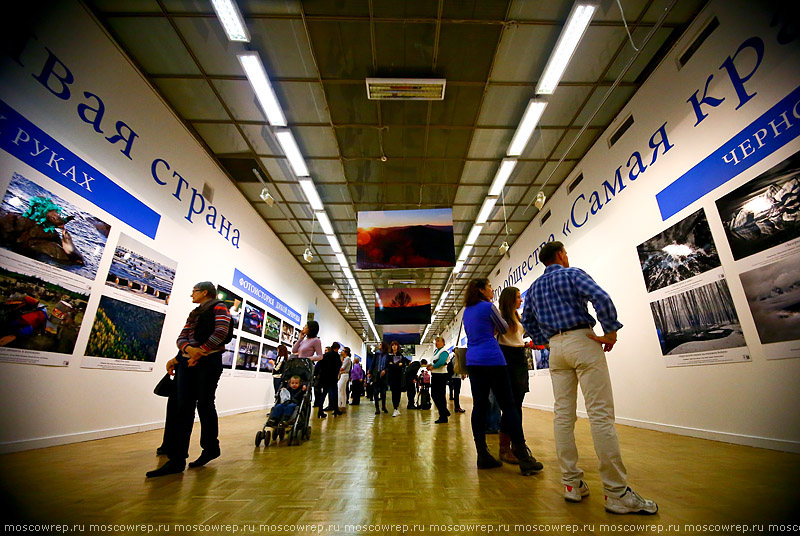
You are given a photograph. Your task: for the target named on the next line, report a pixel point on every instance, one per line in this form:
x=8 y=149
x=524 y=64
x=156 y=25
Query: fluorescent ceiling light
x=486 y=209
x=571 y=35
x=334 y=242
x=347 y=273
x=325 y=223
x=473 y=234
x=342 y=259
x=533 y=112
x=502 y=175
x=457 y=268
x=311 y=194
x=257 y=75
x=465 y=252
x=292 y=152
x=231 y=19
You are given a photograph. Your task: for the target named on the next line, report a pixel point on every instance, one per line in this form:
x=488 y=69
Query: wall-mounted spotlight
x=540 y=199
x=307 y=255
x=335 y=293
x=266 y=197
x=503 y=248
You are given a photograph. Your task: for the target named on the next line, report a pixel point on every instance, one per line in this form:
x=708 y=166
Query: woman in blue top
x=488 y=371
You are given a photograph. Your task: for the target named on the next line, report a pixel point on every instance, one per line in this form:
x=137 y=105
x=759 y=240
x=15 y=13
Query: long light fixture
x=457 y=268
x=465 y=251
x=577 y=22
x=334 y=243
x=472 y=237
x=231 y=19
x=533 y=112
x=292 y=152
x=257 y=75
x=342 y=259
x=486 y=210
x=347 y=273
x=502 y=175
x=311 y=194
x=325 y=223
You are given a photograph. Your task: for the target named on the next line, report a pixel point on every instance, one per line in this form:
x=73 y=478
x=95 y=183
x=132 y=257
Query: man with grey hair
x=197 y=369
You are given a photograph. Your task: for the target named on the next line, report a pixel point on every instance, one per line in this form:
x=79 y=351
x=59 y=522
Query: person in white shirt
x=344 y=377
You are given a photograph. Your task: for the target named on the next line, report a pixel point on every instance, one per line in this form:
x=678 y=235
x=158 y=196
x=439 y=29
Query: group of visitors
x=555 y=316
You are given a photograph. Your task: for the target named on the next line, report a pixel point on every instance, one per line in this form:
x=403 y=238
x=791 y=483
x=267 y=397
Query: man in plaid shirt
x=555 y=313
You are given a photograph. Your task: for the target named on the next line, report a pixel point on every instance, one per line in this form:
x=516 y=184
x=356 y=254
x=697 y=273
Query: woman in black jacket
x=396 y=364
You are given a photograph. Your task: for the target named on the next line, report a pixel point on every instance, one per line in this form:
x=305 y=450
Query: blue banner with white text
x=24 y=140
x=244 y=283
x=774 y=129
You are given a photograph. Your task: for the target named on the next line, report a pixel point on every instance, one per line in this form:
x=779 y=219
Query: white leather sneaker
x=396 y=413
x=573 y=494
x=630 y=503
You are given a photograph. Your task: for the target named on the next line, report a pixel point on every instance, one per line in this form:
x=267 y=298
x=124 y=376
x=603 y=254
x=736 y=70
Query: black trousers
x=379 y=394
x=439 y=393
x=517 y=374
x=197 y=389
x=455 y=390
x=495 y=378
x=397 y=393
x=356 y=391
x=411 y=393
x=331 y=392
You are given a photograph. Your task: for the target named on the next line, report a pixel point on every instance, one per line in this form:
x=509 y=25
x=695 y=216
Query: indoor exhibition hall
x=354 y=267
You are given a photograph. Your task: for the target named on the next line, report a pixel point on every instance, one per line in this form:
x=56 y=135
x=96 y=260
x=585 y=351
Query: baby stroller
x=297 y=425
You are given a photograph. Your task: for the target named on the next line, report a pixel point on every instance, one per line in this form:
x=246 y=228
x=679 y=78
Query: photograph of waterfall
x=698 y=320
x=682 y=251
x=764 y=212
x=773 y=294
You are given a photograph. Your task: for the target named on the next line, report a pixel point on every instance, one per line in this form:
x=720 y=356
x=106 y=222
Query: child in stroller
x=292 y=405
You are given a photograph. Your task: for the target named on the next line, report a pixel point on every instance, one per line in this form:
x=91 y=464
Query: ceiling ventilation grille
x=405 y=88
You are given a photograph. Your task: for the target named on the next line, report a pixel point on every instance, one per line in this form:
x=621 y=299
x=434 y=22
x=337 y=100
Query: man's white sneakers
x=630 y=503
x=573 y=494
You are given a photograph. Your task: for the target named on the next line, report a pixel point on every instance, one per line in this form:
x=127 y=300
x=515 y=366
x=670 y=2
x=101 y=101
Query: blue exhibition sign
x=774 y=129
x=244 y=283
x=24 y=140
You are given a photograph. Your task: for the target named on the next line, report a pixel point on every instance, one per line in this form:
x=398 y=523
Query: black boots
x=486 y=460
x=527 y=463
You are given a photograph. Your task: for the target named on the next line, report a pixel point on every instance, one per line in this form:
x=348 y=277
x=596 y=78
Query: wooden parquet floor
x=360 y=473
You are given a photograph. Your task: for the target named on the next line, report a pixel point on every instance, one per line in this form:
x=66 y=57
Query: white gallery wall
x=165 y=169
x=745 y=393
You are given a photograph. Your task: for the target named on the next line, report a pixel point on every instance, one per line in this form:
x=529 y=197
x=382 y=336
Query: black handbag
x=166 y=386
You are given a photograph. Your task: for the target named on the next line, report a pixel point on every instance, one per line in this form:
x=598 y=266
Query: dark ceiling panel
x=404 y=50
x=479 y=39
x=343 y=49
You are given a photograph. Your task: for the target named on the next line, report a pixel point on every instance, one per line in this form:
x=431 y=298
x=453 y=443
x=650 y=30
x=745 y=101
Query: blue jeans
x=282 y=411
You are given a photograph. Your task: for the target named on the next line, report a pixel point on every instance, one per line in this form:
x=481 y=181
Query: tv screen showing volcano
x=403 y=306
x=402 y=334
x=405 y=239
